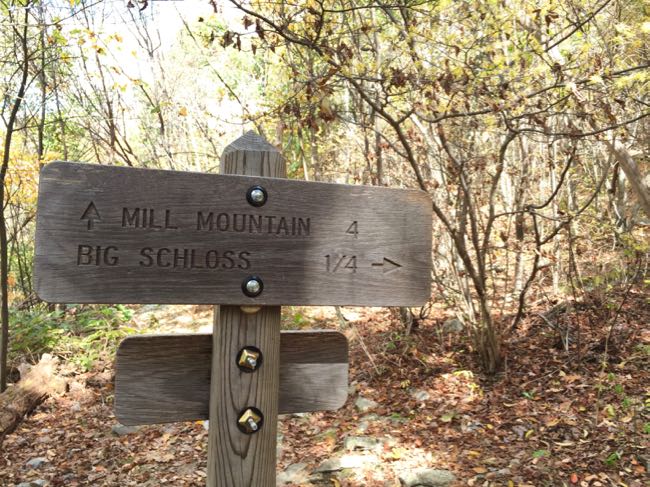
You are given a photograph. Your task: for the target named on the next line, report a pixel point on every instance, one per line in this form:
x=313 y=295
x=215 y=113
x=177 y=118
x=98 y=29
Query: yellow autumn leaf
x=397 y=453
x=596 y=79
x=182 y=111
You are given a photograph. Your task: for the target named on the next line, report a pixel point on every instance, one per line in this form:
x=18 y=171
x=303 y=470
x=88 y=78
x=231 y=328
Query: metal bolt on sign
x=257 y=196
x=250 y=421
x=253 y=286
x=249 y=359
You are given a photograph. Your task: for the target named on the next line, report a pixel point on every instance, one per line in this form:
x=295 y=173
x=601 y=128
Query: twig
x=343 y=321
x=557 y=369
x=364 y=348
x=620 y=307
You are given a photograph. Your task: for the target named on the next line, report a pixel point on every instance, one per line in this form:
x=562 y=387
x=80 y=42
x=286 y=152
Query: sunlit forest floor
x=556 y=415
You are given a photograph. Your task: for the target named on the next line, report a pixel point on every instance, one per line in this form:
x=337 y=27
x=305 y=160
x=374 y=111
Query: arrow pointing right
x=387 y=266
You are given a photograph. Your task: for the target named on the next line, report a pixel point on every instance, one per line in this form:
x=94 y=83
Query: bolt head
x=253 y=286
x=249 y=359
x=256 y=196
x=250 y=421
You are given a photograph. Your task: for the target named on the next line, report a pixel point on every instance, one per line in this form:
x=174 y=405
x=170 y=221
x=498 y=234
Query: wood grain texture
x=166 y=378
x=234 y=458
x=155 y=236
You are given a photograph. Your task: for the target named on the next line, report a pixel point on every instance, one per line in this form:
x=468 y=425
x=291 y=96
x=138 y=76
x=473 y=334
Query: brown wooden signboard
x=123 y=235
x=166 y=378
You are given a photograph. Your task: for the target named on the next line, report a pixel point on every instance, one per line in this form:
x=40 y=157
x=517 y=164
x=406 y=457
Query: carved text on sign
x=114 y=235
x=250 y=223
x=154 y=219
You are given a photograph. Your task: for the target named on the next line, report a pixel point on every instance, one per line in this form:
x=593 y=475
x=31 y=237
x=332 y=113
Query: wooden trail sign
x=122 y=235
x=247 y=243
x=166 y=378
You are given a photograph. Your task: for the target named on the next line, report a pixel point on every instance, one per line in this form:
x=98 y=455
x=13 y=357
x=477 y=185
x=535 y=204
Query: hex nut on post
x=252 y=286
x=250 y=421
x=256 y=196
x=249 y=359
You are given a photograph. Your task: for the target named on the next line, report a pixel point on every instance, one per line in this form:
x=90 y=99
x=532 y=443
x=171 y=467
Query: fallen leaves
x=484 y=430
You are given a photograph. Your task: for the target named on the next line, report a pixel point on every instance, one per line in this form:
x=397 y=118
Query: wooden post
x=237 y=459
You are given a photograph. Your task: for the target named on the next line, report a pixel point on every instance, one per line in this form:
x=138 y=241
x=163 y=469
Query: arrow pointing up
x=387 y=265
x=91 y=214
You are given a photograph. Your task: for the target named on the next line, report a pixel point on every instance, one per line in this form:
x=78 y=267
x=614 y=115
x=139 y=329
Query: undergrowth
x=79 y=334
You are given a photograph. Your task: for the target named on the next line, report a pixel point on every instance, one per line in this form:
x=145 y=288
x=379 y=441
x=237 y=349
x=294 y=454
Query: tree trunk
x=632 y=173
x=4 y=251
x=489 y=343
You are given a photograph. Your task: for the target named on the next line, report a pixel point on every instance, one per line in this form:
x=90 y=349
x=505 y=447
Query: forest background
x=525 y=120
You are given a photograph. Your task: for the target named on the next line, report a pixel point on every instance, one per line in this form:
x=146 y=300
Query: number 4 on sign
x=353 y=229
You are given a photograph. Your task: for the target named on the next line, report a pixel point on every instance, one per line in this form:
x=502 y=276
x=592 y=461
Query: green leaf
x=613 y=458
x=448 y=417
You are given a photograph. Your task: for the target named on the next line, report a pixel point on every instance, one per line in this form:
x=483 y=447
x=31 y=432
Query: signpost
x=245 y=239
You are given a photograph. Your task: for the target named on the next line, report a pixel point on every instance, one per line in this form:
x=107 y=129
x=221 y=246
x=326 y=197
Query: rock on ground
x=363 y=443
x=346 y=462
x=453 y=325
x=121 y=430
x=421 y=395
x=427 y=477
x=37 y=462
x=294 y=474
x=364 y=405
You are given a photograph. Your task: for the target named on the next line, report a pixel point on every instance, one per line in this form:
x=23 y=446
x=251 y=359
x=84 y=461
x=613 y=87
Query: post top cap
x=250 y=141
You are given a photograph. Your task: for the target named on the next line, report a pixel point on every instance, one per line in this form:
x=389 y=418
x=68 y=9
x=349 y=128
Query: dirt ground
x=561 y=413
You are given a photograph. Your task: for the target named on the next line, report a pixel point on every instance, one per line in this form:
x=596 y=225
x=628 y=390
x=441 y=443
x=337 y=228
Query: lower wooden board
x=166 y=378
